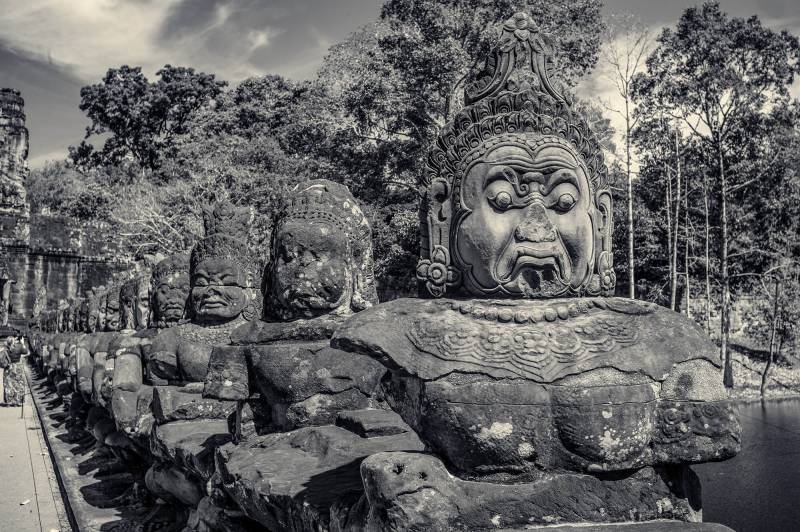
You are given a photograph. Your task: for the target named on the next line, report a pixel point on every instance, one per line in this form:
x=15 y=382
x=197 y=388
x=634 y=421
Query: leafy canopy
x=141 y=118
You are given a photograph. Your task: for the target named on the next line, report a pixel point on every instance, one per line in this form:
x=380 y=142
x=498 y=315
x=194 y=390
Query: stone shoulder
x=537 y=340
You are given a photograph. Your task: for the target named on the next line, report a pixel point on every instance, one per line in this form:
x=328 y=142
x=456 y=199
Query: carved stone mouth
x=550 y=264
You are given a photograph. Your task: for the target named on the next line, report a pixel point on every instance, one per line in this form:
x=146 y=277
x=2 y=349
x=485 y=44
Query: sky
x=49 y=49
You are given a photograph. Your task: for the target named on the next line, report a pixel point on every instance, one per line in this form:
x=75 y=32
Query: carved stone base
x=190 y=445
x=415 y=492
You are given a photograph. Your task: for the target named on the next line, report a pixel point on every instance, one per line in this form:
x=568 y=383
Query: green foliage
x=141 y=118
x=58 y=189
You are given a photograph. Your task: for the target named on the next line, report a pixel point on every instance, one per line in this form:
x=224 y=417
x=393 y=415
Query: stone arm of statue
x=129 y=385
x=52 y=359
x=85 y=367
x=229 y=372
x=162 y=366
x=98 y=375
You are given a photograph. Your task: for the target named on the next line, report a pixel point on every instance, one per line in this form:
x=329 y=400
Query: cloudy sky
x=49 y=49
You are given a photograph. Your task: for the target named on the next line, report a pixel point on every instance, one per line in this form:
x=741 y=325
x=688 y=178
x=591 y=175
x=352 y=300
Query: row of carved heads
x=321 y=263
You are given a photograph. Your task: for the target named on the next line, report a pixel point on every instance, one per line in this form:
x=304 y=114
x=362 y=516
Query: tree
x=715 y=74
x=624 y=53
x=141 y=118
x=773 y=257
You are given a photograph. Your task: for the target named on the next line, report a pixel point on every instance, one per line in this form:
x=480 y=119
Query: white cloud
x=40 y=160
x=90 y=36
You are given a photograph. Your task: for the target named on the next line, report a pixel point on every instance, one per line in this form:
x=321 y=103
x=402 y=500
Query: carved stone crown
x=227 y=235
x=177 y=263
x=510 y=98
x=326 y=201
x=513 y=94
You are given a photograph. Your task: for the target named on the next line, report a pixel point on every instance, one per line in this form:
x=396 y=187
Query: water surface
x=759 y=489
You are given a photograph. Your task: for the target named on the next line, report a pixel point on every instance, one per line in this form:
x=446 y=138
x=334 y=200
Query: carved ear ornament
x=436 y=273
x=255 y=303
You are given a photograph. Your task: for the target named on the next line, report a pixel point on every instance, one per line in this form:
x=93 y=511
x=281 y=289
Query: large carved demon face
x=218 y=290
x=529 y=223
x=310 y=273
x=170 y=297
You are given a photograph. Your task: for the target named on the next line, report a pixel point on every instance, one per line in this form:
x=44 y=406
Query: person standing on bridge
x=13 y=377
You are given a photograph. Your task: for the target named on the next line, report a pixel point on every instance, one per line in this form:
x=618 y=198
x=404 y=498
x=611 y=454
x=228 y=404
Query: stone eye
x=565 y=202
x=501 y=201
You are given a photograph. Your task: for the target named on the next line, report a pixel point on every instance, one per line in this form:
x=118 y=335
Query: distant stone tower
x=13 y=153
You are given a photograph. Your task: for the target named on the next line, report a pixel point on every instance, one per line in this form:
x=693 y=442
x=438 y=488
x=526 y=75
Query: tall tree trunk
x=631 y=275
x=674 y=258
x=669 y=224
x=686 y=242
x=774 y=328
x=708 y=255
x=725 y=324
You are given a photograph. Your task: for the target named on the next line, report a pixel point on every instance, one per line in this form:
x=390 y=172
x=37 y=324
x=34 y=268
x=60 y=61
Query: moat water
x=758 y=490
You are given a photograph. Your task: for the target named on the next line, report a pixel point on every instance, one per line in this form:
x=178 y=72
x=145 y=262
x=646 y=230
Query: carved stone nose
x=536 y=226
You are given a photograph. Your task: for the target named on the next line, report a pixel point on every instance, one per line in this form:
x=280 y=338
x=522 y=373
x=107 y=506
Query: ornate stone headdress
x=512 y=95
x=332 y=203
x=228 y=236
x=177 y=263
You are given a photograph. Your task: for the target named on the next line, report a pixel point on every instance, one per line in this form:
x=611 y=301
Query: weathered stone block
x=190 y=445
x=301 y=480
x=173 y=403
x=371 y=423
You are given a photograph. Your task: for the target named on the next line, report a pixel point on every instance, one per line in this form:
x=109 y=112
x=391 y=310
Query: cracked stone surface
x=309 y=478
